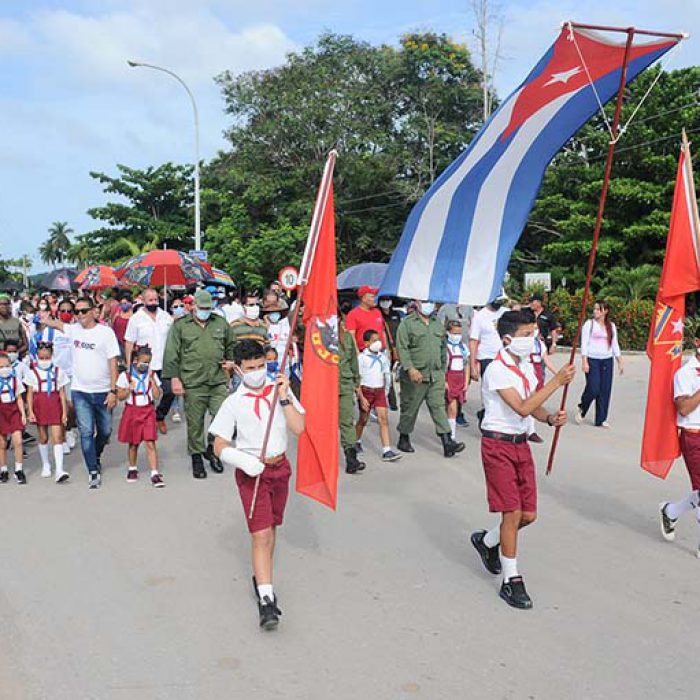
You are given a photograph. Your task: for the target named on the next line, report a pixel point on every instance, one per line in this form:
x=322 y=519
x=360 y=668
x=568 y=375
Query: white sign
x=539 y=279
x=289 y=278
x=202 y=255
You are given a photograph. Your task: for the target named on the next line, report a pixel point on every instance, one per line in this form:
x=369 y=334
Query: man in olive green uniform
x=349 y=374
x=251 y=326
x=10 y=327
x=198 y=352
x=422 y=348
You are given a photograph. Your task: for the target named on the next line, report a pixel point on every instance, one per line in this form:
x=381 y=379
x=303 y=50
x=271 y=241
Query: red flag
x=317 y=453
x=680 y=275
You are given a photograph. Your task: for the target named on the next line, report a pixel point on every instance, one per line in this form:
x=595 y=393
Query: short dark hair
x=511 y=321
x=453 y=323
x=63 y=302
x=86 y=300
x=369 y=333
x=270 y=348
x=527 y=311
x=248 y=350
x=141 y=350
x=8 y=342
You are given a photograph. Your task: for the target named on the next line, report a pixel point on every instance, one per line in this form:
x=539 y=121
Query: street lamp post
x=197 y=226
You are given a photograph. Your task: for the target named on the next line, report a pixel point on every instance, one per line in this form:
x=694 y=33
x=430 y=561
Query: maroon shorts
x=375 y=397
x=138 y=424
x=10 y=419
x=272 y=495
x=690 y=448
x=510 y=476
x=47 y=409
x=456 y=385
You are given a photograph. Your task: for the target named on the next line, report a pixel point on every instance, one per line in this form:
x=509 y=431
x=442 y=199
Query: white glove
x=244 y=461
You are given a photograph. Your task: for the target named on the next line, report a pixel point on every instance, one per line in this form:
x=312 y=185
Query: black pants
x=167 y=397
x=599 y=382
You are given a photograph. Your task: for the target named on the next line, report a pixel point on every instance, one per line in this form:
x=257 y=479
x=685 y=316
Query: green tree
x=632 y=283
x=59 y=236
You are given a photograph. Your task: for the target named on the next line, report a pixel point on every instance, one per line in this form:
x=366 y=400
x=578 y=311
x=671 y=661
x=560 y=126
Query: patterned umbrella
x=162 y=267
x=97 y=277
x=61 y=280
x=220 y=277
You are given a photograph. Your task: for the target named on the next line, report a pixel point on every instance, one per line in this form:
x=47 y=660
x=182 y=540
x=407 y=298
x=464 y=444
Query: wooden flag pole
x=305 y=270
x=615 y=126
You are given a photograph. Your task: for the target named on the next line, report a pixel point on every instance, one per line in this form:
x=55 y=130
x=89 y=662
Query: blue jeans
x=598 y=388
x=95 y=425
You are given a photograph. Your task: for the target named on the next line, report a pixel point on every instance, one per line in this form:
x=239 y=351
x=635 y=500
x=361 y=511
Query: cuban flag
x=459 y=237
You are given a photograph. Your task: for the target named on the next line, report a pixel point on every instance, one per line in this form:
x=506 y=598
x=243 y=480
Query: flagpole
x=304 y=271
x=596 y=231
x=694 y=203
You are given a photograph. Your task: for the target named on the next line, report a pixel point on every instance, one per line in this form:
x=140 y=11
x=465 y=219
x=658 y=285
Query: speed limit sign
x=289 y=278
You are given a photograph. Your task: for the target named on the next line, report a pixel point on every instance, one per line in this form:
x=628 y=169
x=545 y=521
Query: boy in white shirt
x=686 y=392
x=245 y=413
x=510 y=398
x=375 y=378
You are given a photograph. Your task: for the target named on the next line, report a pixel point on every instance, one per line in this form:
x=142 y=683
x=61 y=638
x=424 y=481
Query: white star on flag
x=677 y=326
x=564 y=76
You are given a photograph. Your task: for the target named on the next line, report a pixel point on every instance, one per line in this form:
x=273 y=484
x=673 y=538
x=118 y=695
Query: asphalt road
x=132 y=592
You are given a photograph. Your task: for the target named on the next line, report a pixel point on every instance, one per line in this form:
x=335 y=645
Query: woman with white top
x=598 y=348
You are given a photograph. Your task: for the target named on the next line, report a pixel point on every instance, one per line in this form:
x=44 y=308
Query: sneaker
x=605 y=425
x=162 y=427
x=269 y=613
x=489 y=555
x=95 y=480
x=462 y=422
x=534 y=437
x=358 y=447
x=61 y=477
x=578 y=416
x=66 y=448
x=176 y=417
x=21 y=477
x=668 y=526
x=70 y=439
x=514 y=593
x=132 y=475
x=390 y=456
x=157 y=480
x=46 y=471
x=4 y=476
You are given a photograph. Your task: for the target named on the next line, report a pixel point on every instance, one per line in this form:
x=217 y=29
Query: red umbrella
x=162 y=267
x=97 y=277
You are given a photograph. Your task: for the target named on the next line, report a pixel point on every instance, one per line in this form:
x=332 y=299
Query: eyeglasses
x=178 y=306
x=80 y=312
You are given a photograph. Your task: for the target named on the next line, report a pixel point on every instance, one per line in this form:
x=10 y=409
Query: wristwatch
x=285 y=402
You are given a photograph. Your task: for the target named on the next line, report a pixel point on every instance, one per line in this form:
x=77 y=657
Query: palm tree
x=47 y=252
x=59 y=235
x=632 y=284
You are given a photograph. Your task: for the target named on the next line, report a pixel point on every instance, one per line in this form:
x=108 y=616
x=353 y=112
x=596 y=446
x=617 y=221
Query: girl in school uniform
x=458 y=374
x=12 y=419
x=140 y=388
x=48 y=407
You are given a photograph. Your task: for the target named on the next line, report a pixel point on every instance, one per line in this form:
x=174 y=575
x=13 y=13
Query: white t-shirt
x=484 y=330
x=457 y=355
x=92 y=350
x=21 y=368
x=279 y=334
x=143 y=330
x=500 y=374
x=58 y=378
x=594 y=341
x=137 y=398
x=685 y=383
x=246 y=412
x=374 y=369
x=62 y=348
x=232 y=312
x=14 y=384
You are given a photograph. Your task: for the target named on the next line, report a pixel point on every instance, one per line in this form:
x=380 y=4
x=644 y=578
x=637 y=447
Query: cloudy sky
x=69 y=103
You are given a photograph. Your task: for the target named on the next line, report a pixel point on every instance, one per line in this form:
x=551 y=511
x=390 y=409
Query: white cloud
x=13 y=37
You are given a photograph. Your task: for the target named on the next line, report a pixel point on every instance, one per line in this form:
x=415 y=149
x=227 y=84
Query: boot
x=352 y=464
x=214 y=462
x=404 y=443
x=449 y=447
x=198 y=470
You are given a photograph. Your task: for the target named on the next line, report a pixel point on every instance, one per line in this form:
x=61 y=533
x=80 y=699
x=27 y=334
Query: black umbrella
x=10 y=286
x=61 y=280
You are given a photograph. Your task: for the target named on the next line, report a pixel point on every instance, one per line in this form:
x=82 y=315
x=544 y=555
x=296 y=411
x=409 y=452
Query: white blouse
x=594 y=341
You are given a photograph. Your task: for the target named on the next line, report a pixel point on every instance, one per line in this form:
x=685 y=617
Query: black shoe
x=28 y=437
x=404 y=443
x=535 y=438
x=352 y=464
x=489 y=555
x=198 y=470
x=21 y=477
x=269 y=613
x=449 y=447
x=514 y=593
x=214 y=462
x=4 y=477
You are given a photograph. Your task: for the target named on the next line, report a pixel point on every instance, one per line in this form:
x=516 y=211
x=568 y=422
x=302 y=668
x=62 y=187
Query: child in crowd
x=19 y=367
x=12 y=418
x=48 y=407
x=510 y=398
x=458 y=373
x=272 y=363
x=140 y=388
x=375 y=377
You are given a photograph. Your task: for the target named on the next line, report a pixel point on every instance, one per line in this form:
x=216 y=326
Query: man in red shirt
x=366 y=316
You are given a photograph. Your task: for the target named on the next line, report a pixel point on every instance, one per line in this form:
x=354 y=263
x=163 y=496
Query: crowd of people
x=216 y=357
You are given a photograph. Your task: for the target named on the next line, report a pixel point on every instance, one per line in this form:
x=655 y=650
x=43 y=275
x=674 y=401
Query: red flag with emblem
x=680 y=275
x=317 y=453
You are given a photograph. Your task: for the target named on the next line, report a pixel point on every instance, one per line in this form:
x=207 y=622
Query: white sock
x=265 y=589
x=44 y=454
x=509 y=567
x=675 y=510
x=18 y=466
x=66 y=448
x=385 y=449
x=493 y=537
x=453 y=426
x=154 y=471
x=3 y=469
x=58 y=457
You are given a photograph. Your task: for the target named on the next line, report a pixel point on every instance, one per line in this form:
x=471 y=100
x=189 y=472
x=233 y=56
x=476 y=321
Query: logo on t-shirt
x=83 y=345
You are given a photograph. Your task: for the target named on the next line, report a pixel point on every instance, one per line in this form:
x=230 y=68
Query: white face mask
x=385 y=303
x=522 y=347
x=375 y=346
x=274 y=316
x=251 y=312
x=427 y=307
x=43 y=364
x=454 y=338
x=255 y=379
x=5 y=372
x=13 y=356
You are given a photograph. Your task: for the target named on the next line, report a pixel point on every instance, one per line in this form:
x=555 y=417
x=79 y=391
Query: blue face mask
x=427 y=308
x=274 y=317
x=273 y=367
x=178 y=311
x=203 y=314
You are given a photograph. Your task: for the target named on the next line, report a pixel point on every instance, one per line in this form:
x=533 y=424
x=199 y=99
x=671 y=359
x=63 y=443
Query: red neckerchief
x=261 y=397
x=516 y=370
